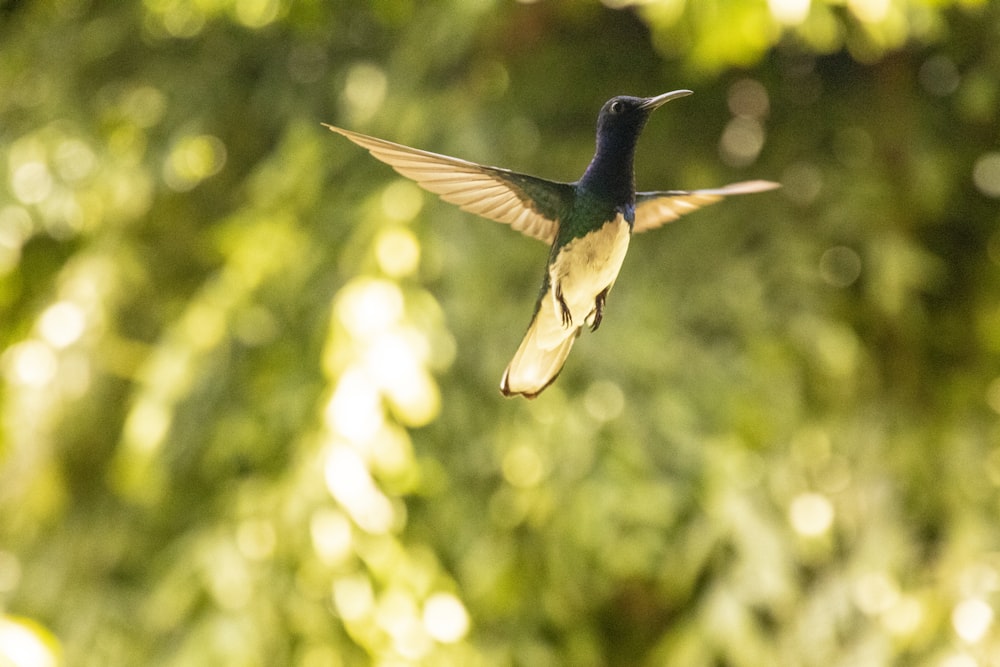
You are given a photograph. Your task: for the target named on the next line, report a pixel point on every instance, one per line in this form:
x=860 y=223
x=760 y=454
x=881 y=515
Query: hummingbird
x=587 y=223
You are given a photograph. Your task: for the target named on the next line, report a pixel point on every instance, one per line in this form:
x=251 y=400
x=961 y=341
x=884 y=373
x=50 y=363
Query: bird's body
x=589 y=224
x=583 y=265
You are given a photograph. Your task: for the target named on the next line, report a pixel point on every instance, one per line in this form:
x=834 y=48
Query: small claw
x=598 y=314
x=567 y=317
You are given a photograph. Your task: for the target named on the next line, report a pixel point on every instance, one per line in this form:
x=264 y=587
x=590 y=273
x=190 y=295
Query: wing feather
x=528 y=204
x=654 y=209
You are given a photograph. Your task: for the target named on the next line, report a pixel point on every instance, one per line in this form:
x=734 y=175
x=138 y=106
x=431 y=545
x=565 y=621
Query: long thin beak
x=654 y=102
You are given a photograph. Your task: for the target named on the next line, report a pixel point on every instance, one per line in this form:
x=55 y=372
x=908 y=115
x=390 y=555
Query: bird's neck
x=610 y=174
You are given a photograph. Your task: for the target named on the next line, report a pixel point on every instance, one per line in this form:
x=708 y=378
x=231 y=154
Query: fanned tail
x=538 y=360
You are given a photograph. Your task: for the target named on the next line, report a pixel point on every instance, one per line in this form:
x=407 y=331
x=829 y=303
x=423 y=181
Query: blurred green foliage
x=249 y=376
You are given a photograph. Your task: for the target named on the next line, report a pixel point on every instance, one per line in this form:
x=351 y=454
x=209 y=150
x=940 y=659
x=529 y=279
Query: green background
x=249 y=411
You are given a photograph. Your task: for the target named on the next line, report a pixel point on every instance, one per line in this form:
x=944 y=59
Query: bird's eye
x=617 y=106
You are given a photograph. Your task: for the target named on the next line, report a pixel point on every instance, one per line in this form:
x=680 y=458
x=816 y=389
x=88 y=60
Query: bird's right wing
x=654 y=209
x=528 y=204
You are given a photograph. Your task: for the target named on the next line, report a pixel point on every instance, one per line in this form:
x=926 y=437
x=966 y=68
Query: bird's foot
x=598 y=313
x=567 y=316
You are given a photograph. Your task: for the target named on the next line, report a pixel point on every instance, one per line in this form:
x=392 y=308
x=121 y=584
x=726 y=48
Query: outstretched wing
x=654 y=209
x=528 y=204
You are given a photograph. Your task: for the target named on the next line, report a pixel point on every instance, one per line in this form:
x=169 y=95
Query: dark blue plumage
x=588 y=223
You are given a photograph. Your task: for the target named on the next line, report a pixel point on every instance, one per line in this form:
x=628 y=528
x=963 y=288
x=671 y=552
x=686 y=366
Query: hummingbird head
x=618 y=127
x=623 y=117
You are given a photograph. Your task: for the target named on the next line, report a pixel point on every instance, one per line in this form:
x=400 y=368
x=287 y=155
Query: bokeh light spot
x=522 y=466
x=366 y=307
x=986 y=174
x=31 y=182
x=256 y=13
x=144 y=105
x=789 y=12
x=811 y=514
x=445 y=618
x=802 y=183
x=870 y=11
x=397 y=252
x=364 y=90
x=146 y=425
x=353 y=597
x=411 y=640
x=203 y=324
x=837 y=350
x=402 y=200
x=74 y=160
x=178 y=19
x=839 y=266
x=355 y=409
x=25 y=644
x=31 y=363
x=349 y=481
x=939 y=76
x=192 y=160
x=62 y=324
x=971 y=619
x=332 y=536
x=748 y=98
x=741 y=141
x=392 y=452
x=397 y=614
x=394 y=362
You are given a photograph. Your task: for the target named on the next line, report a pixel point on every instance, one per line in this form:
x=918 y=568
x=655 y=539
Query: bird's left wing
x=528 y=204
x=654 y=209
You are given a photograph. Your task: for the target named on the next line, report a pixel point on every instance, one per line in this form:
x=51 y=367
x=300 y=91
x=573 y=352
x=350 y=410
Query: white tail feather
x=536 y=365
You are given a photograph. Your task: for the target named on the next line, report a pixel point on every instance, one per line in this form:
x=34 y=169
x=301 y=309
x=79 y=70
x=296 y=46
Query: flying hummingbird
x=588 y=224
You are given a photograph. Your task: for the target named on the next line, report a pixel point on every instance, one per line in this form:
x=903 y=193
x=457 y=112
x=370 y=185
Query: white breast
x=584 y=268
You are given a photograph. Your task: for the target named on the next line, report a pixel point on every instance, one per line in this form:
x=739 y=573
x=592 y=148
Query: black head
x=622 y=118
x=618 y=127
